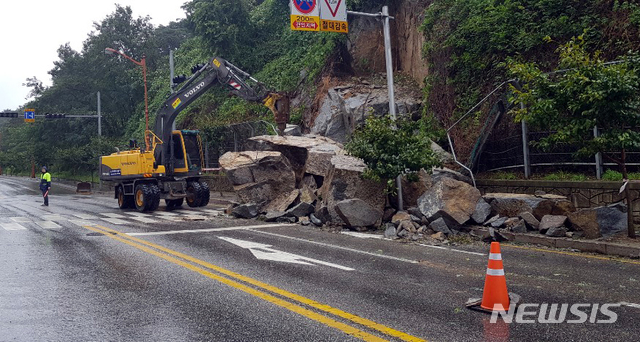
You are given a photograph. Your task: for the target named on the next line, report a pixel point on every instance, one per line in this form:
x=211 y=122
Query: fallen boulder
x=552 y=221
x=450 y=198
x=247 y=211
x=357 y=213
x=601 y=221
x=511 y=205
x=258 y=177
x=482 y=211
x=307 y=154
x=300 y=210
x=343 y=182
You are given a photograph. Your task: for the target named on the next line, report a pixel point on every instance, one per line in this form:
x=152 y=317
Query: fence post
x=599 y=170
x=525 y=147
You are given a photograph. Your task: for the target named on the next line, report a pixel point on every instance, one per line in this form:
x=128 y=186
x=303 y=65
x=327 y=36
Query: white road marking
x=85 y=216
x=631 y=305
x=209 y=230
x=363 y=235
x=12 y=226
x=213 y=212
x=144 y=219
x=135 y=213
x=187 y=212
x=114 y=220
x=265 y=252
x=48 y=224
x=453 y=250
x=113 y=215
x=81 y=223
x=53 y=217
x=166 y=213
x=339 y=247
x=20 y=219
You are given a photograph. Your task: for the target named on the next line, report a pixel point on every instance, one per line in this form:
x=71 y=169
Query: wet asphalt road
x=70 y=272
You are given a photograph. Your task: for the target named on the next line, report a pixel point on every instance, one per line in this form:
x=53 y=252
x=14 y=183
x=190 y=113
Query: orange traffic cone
x=495 y=284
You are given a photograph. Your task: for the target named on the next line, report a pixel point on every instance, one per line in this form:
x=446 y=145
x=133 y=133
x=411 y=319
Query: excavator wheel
x=124 y=201
x=194 y=194
x=205 y=194
x=174 y=203
x=143 y=197
x=155 y=201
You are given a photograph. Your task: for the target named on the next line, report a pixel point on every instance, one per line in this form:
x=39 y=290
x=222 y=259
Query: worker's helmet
x=45 y=168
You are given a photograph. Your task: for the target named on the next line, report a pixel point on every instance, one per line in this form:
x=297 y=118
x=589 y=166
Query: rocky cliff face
x=366 y=43
x=342 y=104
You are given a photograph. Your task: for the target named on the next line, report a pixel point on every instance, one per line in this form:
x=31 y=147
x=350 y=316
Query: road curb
x=601 y=247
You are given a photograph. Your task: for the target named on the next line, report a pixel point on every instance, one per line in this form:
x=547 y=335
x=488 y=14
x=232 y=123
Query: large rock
x=450 y=199
x=246 y=211
x=344 y=181
x=531 y=220
x=511 y=205
x=411 y=191
x=440 y=225
x=258 y=177
x=552 y=221
x=345 y=108
x=310 y=154
x=283 y=201
x=300 y=210
x=482 y=212
x=357 y=213
x=601 y=221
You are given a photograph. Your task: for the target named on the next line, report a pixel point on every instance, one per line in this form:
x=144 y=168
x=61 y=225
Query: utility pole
x=99 y=117
x=386 y=28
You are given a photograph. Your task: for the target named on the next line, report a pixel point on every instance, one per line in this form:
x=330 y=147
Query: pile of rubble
x=303 y=178
x=310 y=180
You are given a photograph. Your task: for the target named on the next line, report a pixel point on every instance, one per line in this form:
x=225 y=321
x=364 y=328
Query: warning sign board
x=305 y=15
x=333 y=16
x=29 y=115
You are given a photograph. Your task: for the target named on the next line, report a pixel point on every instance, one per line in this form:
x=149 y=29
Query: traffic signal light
x=197 y=68
x=179 y=79
x=8 y=115
x=55 y=116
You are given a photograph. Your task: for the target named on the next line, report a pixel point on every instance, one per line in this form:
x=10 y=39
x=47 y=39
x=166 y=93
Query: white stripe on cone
x=493 y=272
x=495 y=256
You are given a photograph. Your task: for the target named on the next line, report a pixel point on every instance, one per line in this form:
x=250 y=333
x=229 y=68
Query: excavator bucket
x=278 y=103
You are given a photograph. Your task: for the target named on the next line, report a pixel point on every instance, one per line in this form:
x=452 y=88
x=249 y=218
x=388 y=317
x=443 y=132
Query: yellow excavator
x=172 y=165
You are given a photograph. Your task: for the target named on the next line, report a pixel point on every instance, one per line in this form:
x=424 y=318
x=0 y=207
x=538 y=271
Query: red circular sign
x=305 y=6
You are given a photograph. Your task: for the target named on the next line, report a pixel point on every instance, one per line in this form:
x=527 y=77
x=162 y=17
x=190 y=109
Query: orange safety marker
x=495 y=283
x=495 y=286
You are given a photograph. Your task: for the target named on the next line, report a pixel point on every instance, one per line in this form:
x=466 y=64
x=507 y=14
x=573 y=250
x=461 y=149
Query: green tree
x=590 y=93
x=390 y=149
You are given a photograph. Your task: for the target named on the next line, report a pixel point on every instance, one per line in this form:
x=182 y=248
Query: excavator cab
x=187 y=155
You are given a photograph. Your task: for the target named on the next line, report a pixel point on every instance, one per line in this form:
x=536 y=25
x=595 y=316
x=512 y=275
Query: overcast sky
x=32 y=31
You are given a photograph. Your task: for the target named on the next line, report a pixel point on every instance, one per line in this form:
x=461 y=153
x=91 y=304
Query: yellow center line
x=289 y=306
x=312 y=303
x=573 y=254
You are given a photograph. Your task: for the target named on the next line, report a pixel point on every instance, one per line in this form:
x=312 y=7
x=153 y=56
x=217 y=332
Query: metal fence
x=505 y=150
x=232 y=138
x=502 y=144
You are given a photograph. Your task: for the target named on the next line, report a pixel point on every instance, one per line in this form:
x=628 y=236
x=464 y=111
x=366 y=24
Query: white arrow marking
x=264 y=252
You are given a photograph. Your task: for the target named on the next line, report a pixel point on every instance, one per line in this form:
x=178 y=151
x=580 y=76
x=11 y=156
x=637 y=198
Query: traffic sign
x=29 y=115
x=333 y=16
x=305 y=15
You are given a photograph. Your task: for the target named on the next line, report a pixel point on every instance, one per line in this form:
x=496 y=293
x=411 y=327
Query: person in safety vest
x=45 y=185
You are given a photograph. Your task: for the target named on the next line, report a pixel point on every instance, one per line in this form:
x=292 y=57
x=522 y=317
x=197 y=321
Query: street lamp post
x=143 y=64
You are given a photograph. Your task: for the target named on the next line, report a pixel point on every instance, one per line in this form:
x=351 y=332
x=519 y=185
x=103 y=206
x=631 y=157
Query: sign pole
x=384 y=15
